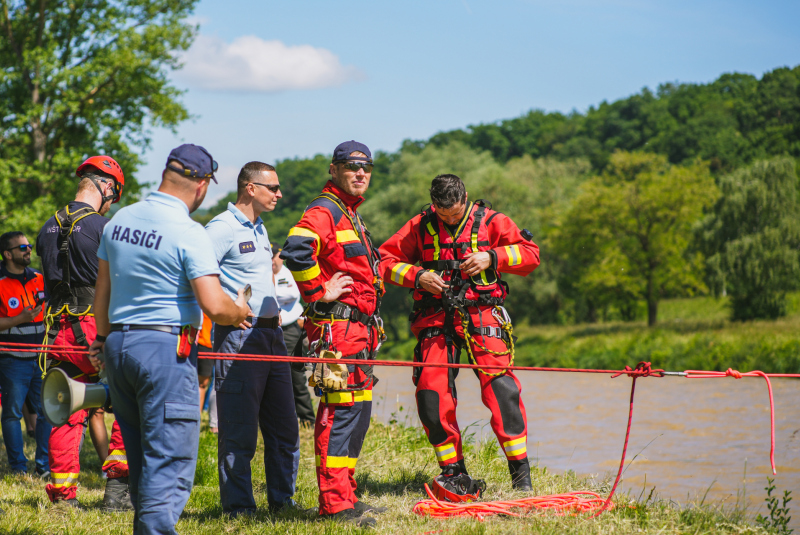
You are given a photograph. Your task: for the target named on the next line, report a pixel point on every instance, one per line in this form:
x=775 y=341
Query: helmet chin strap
x=106 y=198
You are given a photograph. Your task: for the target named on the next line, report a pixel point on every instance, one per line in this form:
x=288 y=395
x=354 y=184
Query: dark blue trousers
x=253 y=395
x=156 y=401
x=20 y=379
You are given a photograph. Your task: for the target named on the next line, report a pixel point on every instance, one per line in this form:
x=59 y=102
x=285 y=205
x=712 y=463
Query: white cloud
x=253 y=64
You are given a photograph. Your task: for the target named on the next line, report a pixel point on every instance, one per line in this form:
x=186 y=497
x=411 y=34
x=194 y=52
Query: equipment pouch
x=186 y=341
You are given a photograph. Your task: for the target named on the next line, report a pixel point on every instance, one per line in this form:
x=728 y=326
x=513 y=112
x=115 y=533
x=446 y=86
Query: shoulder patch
x=329 y=205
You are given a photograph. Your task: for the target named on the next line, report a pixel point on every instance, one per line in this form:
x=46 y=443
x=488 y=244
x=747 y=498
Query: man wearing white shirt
x=291 y=310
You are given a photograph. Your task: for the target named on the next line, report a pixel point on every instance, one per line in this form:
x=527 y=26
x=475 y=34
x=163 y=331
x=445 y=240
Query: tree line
x=688 y=189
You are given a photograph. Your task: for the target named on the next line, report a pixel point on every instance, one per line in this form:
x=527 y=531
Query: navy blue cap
x=343 y=151
x=196 y=161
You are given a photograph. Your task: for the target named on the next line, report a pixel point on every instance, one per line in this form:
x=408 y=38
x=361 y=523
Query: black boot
x=454 y=469
x=117 y=496
x=520 y=474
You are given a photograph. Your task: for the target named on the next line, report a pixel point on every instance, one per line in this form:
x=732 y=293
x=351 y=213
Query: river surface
x=689 y=436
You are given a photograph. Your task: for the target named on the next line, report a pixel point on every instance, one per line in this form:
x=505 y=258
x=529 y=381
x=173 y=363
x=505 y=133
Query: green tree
x=752 y=238
x=80 y=78
x=626 y=235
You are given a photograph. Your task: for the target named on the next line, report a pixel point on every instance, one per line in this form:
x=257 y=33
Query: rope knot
x=641 y=370
x=733 y=373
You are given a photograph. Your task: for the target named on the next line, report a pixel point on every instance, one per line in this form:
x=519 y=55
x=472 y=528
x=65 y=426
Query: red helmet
x=109 y=166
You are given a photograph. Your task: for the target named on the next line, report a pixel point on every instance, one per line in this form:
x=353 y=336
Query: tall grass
x=395 y=464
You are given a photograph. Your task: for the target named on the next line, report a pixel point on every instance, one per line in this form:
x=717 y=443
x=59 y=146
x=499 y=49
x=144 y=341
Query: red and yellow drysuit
x=331 y=238
x=475 y=305
x=70 y=322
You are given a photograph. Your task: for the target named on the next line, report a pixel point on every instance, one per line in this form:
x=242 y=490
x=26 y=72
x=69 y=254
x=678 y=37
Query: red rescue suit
x=71 y=322
x=440 y=329
x=330 y=238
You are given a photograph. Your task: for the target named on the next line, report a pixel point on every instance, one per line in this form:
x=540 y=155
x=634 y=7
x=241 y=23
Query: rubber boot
x=117 y=496
x=520 y=474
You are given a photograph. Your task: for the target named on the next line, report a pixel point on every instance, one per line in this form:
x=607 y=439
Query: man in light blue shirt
x=156 y=273
x=253 y=395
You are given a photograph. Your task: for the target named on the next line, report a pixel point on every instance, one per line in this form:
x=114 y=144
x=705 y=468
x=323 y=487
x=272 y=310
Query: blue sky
x=274 y=80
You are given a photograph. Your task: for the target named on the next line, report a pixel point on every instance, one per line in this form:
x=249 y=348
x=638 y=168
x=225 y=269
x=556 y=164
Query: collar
x=169 y=200
x=23 y=277
x=349 y=200
x=243 y=219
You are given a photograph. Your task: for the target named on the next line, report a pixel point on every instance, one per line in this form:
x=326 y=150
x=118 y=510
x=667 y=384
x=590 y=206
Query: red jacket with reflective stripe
x=324 y=242
x=16 y=293
x=425 y=240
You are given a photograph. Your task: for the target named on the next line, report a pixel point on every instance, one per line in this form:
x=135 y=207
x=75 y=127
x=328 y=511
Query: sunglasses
x=274 y=188
x=355 y=166
x=23 y=248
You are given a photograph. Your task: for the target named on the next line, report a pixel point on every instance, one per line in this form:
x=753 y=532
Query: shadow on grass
x=398 y=483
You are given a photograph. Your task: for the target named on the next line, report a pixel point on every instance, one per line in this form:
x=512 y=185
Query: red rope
x=701 y=374
x=561 y=502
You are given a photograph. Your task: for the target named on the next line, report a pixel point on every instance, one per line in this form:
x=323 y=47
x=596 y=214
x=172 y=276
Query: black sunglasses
x=355 y=166
x=23 y=247
x=274 y=188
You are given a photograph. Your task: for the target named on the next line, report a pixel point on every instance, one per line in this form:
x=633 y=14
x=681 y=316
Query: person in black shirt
x=67 y=245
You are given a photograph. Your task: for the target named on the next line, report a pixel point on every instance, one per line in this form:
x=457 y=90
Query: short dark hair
x=447 y=191
x=5 y=241
x=250 y=171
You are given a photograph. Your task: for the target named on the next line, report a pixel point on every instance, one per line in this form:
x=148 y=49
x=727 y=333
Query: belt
x=340 y=311
x=265 y=323
x=171 y=329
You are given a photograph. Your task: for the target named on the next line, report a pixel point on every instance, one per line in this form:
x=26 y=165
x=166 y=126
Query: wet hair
x=5 y=241
x=250 y=171
x=447 y=191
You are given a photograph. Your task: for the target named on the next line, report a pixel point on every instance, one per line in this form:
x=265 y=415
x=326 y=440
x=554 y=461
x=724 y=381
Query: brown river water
x=688 y=436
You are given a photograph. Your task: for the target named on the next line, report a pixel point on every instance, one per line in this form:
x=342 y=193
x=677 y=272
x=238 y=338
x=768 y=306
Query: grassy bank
x=691 y=334
x=394 y=465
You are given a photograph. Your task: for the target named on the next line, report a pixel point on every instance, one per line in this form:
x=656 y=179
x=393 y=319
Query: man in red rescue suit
x=462 y=248
x=68 y=245
x=336 y=267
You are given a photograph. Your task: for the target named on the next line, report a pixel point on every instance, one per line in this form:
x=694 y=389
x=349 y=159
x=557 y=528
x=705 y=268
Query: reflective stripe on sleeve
x=307 y=274
x=515 y=447
x=302 y=231
x=399 y=271
x=514 y=255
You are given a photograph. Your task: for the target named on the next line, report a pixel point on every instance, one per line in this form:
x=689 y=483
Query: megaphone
x=62 y=396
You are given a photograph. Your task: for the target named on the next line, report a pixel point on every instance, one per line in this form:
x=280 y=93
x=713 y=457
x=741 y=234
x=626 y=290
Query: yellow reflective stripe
x=64 y=479
x=302 y=231
x=520 y=440
x=514 y=255
x=522 y=449
x=336 y=462
x=116 y=456
x=445 y=452
x=399 y=271
x=362 y=395
x=338 y=397
x=348 y=397
x=346 y=235
x=515 y=447
x=307 y=274
x=435 y=240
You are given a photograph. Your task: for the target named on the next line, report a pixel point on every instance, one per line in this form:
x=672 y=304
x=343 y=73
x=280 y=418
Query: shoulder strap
x=66 y=221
